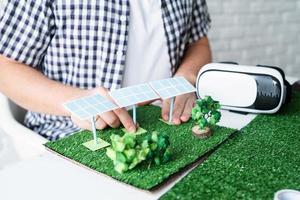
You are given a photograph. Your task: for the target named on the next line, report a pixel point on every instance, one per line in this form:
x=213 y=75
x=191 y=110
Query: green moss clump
x=127 y=152
x=186 y=149
x=257 y=162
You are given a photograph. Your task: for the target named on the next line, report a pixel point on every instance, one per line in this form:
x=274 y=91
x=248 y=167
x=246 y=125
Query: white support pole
x=171 y=109
x=94 y=130
x=134 y=114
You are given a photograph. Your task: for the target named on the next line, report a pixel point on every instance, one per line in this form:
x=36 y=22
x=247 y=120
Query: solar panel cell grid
x=172 y=87
x=133 y=95
x=72 y=106
x=90 y=106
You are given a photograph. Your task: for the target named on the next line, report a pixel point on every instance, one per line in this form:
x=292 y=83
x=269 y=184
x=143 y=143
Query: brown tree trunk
x=205 y=133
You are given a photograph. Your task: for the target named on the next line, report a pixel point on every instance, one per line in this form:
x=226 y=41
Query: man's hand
x=112 y=118
x=183 y=106
x=197 y=55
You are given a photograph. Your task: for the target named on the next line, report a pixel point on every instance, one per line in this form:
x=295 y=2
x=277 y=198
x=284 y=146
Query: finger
x=165 y=110
x=125 y=119
x=108 y=118
x=111 y=119
x=178 y=108
x=186 y=114
x=83 y=124
x=100 y=123
x=146 y=102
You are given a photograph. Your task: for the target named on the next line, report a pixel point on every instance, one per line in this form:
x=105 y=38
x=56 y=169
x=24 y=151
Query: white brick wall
x=257 y=32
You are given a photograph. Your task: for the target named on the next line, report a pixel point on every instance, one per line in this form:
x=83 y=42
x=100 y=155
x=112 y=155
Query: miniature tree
x=206 y=114
x=159 y=147
x=127 y=151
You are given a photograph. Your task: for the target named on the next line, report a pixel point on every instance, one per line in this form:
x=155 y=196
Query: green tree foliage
x=127 y=152
x=206 y=112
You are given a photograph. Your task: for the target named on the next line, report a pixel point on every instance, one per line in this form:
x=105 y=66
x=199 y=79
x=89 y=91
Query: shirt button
x=123 y=18
x=120 y=53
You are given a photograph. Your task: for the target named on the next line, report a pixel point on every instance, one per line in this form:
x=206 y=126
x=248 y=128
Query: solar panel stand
x=171 y=109
x=170 y=88
x=94 y=130
x=134 y=114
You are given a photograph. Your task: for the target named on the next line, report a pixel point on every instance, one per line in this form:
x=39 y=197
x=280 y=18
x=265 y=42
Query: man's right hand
x=112 y=118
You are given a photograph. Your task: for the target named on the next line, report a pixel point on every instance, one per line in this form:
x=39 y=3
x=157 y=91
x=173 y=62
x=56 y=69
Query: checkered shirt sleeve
x=26 y=28
x=200 y=21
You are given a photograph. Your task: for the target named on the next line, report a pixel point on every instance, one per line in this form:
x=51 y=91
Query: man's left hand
x=183 y=106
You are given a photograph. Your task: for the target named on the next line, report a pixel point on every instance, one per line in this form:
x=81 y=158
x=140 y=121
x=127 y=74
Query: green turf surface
x=262 y=159
x=185 y=149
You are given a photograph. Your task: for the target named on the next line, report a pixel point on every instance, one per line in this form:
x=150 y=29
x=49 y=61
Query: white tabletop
x=8 y=155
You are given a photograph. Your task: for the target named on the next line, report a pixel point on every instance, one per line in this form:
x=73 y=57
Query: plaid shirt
x=83 y=43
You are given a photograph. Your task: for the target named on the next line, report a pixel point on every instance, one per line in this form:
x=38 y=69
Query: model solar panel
x=133 y=95
x=172 y=87
x=90 y=106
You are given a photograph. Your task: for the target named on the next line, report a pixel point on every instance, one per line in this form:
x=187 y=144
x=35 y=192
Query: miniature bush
x=206 y=112
x=159 y=147
x=127 y=152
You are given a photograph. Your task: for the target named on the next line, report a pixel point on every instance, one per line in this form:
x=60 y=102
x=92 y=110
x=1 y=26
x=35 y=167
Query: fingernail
x=184 y=118
x=165 y=117
x=132 y=129
x=176 y=121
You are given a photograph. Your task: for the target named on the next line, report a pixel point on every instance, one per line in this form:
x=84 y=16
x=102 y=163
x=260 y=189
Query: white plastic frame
x=244 y=69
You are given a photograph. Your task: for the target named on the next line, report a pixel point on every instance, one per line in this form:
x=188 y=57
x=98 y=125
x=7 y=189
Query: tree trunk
x=205 y=133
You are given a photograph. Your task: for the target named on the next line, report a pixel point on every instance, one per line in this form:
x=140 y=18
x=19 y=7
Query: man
x=53 y=51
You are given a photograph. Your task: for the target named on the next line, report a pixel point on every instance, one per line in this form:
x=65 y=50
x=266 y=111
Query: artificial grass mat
x=186 y=149
x=260 y=160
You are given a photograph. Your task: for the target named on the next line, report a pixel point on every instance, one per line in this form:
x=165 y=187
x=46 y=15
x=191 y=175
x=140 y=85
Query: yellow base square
x=169 y=123
x=93 y=146
x=138 y=132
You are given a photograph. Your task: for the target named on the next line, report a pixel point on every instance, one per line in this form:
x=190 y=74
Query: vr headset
x=250 y=89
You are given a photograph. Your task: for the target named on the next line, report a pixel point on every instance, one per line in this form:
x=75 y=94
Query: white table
x=49 y=176
x=8 y=155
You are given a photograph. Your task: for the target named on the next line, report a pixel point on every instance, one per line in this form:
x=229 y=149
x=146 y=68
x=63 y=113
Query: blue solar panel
x=87 y=107
x=133 y=95
x=172 y=87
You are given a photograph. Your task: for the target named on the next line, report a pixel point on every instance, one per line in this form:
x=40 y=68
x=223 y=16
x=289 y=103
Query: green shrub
x=127 y=152
x=206 y=112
